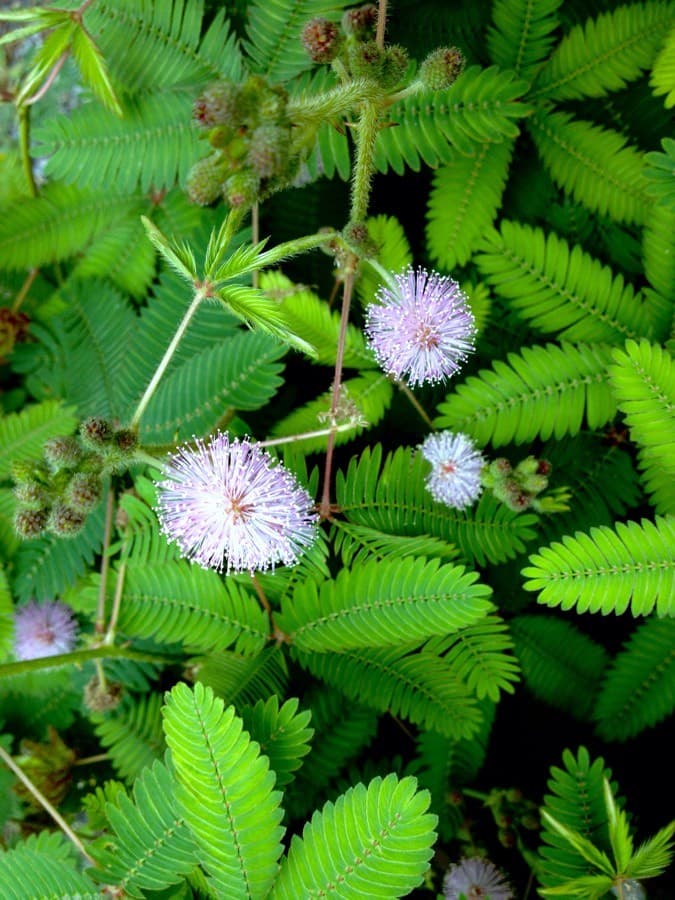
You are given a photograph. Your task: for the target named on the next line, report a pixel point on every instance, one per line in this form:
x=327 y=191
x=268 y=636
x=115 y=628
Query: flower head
x=422 y=328
x=43 y=629
x=475 y=879
x=456 y=468
x=228 y=505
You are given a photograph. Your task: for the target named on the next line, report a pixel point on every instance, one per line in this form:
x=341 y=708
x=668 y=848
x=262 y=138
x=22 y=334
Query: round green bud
x=366 y=60
x=96 y=432
x=84 y=492
x=30 y=523
x=102 y=699
x=220 y=104
x=31 y=495
x=268 y=151
x=65 y=521
x=205 y=179
x=394 y=66
x=361 y=22
x=357 y=237
x=241 y=189
x=321 y=39
x=126 y=440
x=62 y=453
x=441 y=68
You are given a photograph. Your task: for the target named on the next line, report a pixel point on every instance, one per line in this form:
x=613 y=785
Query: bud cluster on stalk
x=57 y=493
x=520 y=487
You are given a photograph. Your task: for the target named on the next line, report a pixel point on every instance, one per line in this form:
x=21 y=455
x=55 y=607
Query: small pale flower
x=43 y=629
x=455 y=469
x=229 y=505
x=421 y=329
x=475 y=879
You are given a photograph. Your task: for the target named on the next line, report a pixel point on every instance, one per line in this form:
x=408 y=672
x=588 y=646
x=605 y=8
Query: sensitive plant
x=293 y=531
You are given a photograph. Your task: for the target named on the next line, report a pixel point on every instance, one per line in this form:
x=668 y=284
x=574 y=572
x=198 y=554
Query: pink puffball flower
x=43 y=629
x=229 y=505
x=421 y=329
x=456 y=465
x=475 y=879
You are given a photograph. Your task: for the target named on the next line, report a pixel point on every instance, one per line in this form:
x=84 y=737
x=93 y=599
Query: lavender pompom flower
x=422 y=328
x=475 y=879
x=44 y=629
x=229 y=505
x=456 y=469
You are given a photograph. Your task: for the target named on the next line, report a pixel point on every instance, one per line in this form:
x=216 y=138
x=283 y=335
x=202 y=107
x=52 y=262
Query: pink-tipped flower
x=455 y=469
x=229 y=505
x=44 y=629
x=422 y=329
x=475 y=879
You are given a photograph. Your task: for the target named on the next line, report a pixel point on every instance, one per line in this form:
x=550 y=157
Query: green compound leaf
x=540 y=392
x=23 y=435
x=374 y=841
x=663 y=72
x=225 y=791
x=522 y=34
x=132 y=735
x=42 y=866
x=609 y=570
x=282 y=733
x=152 y=847
x=639 y=688
x=660 y=174
x=383 y=602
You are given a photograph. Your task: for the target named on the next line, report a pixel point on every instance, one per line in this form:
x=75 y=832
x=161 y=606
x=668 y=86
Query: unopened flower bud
x=544 y=467
x=13 y=328
x=96 y=432
x=62 y=453
x=31 y=495
x=394 y=66
x=321 y=39
x=366 y=60
x=514 y=795
x=126 y=440
x=84 y=492
x=98 y=698
x=441 y=68
x=507 y=837
x=358 y=238
x=65 y=521
x=241 y=189
x=205 y=179
x=30 y=523
x=361 y=22
x=268 y=152
x=218 y=105
x=530 y=822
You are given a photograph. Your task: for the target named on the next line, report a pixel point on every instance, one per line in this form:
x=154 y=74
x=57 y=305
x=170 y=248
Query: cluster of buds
x=512 y=811
x=251 y=138
x=57 y=493
x=13 y=329
x=352 y=46
x=519 y=488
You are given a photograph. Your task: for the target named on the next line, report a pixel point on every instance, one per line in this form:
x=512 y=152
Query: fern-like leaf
x=177 y=602
x=42 y=866
x=603 y=54
x=162 y=44
x=658 y=253
x=225 y=791
x=609 y=570
x=560 y=664
x=358 y=543
x=663 y=72
x=382 y=603
x=23 y=435
x=644 y=382
x=522 y=34
x=480 y=656
x=482 y=106
x=540 y=392
x=576 y=801
x=132 y=735
x=282 y=733
x=559 y=289
x=639 y=689
x=416 y=685
x=57 y=224
x=239 y=679
x=593 y=165
x=152 y=847
x=376 y=839
x=660 y=174
x=464 y=199
x=392 y=252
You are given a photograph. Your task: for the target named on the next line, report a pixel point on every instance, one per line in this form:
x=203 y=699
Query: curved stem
x=99 y=624
x=402 y=386
x=25 y=287
x=24 y=147
x=117 y=604
x=77 y=657
x=45 y=804
x=364 y=167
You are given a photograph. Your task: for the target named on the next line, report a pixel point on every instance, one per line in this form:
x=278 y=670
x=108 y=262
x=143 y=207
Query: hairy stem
x=381 y=23
x=78 y=657
x=23 y=292
x=363 y=167
x=117 y=604
x=99 y=625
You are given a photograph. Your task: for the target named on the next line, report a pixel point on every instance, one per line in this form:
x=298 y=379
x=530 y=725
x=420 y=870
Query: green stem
x=24 y=147
x=308 y=435
x=99 y=625
x=77 y=657
x=316 y=109
x=364 y=167
x=166 y=359
x=45 y=804
x=117 y=604
x=381 y=23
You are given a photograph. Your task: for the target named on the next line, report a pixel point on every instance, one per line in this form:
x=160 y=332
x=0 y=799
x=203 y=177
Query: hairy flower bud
x=84 y=492
x=31 y=523
x=205 y=179
x=102 y=698
x=441 y=68
x=126 y=440
x=361 y=22
x=394 y=66
x=241 y=189
x=65 y=521
x=321 y=39
x=96 y=432
x=218 y=105
x=366 y=60
x=268 y=153
x=31 y=495
x=62 y=453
